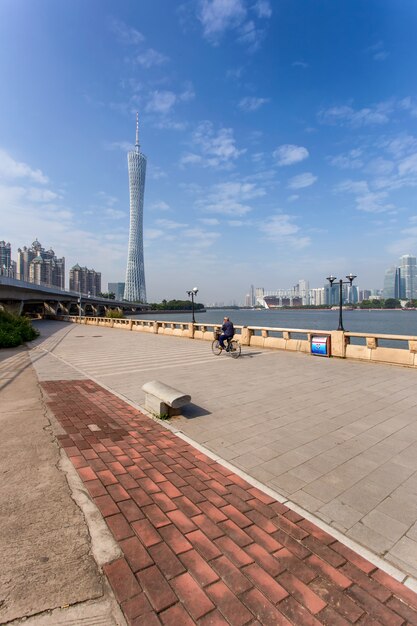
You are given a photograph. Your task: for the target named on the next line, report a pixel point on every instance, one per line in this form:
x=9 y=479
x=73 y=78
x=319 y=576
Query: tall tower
x=135 y=289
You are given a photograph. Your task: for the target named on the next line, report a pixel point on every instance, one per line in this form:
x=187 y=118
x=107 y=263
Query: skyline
x=281 y=138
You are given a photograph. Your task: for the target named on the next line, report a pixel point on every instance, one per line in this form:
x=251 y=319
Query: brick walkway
x=201 y=545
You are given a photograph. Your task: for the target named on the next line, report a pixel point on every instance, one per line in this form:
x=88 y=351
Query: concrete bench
x=161 y=399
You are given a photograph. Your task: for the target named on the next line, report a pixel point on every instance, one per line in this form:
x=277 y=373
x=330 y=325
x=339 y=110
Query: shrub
x=15 y=330
x=114 y=314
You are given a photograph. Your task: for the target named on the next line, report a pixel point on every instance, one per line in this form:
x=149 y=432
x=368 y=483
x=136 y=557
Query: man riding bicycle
x=227 y=332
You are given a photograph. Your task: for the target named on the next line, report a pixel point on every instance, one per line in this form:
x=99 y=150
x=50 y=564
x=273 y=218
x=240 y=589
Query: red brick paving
x=200 y=544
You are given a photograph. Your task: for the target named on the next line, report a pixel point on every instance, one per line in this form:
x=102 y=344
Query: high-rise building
x=409 y=275
x=118 y=289
x=318 y=296
x=135 y=288
x=393 y=285
x=6 y=264
x=303 y=291
x=83 y=280
x=40 y=266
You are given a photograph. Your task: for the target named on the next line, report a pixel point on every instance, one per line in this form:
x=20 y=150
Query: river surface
x=389 y=322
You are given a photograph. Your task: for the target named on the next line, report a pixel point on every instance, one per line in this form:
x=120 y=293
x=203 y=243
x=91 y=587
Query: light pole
x=193 y=292
x=350 y=278
x=80 y=306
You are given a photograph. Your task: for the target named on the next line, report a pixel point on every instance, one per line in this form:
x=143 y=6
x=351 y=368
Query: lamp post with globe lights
x=192 y=293
x=350 y=278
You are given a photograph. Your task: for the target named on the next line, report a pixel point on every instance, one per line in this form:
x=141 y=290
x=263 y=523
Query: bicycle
x=233 y=346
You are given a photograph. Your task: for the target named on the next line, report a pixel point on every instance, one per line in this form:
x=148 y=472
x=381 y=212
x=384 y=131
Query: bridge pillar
x=64 y=308
x=50 y=308
x=15 y=308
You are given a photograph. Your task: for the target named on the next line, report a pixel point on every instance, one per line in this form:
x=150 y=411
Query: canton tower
x=135 y=289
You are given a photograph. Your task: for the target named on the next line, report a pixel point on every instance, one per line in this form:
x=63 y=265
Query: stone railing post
x=245 y=336
x=130 y=324
x=191 y=330
x=155 y=327
x=412 y=346
x=338 y=343
x=286 y=335
x=371 y=343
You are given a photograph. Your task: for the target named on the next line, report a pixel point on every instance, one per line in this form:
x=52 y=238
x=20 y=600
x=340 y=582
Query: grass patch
x=15 y=330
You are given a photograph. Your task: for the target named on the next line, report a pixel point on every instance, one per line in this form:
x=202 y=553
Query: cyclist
x=227 y=332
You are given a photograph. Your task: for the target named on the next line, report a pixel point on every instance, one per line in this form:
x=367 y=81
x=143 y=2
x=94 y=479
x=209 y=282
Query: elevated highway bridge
x=24 y=298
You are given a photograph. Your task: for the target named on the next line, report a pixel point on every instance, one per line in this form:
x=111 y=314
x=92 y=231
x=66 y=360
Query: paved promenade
x=338 y=438
x=181 y=537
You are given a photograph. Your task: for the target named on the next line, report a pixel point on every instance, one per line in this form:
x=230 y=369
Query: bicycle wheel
x=215 y=346
x=235 y=349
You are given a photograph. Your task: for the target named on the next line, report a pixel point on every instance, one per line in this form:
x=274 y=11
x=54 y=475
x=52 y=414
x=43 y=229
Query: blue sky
x=281 y=137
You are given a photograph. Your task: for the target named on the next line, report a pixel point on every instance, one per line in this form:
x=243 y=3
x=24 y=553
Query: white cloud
x=152 y=233
x=302 y=180
x=155 y=172
x=293 y=197
x=281 y=228
x=251 y=103
x=288 y=154
x=350 y=160
x=230 y=198
x=347 y=115
x=408 y=165
x=216 y=147
x=367 y=200
x=380 y=166
x=400 y=145
x=126 y=34
x=41 y=195
x=378 y=52
x=409 y=104
x=190 y=159
x=160 y=206
x=11 y=169
x=301 y=64
x=263 y=9
x=115 y=214
x=217 y=16
x=150 y=58
x=200 y=238
x=161 y=102
x=209 y=221
x=170 y=224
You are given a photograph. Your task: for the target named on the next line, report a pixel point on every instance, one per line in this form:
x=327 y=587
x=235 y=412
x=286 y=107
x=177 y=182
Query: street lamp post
x=80 y=306
x=350 y=278
x=193 y=292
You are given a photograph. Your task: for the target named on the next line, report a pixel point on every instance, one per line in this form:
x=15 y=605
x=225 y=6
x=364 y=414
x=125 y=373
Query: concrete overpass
x=23 y=298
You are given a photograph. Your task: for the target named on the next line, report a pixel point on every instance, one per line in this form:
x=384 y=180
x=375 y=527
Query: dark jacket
x=228 y=329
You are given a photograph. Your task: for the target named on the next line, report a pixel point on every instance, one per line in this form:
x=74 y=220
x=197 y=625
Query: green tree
x=392 y=303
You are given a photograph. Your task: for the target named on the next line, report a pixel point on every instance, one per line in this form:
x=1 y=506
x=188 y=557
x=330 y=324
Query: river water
x=389 y=322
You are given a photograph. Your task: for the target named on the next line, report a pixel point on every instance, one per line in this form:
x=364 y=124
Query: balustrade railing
x=395 y=349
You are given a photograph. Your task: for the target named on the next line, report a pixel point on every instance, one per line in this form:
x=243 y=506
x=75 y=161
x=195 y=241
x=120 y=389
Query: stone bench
x=161 y=399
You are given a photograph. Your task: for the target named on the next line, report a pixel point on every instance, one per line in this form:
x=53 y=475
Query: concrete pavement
x=49 y=561
x=337 y=438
